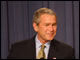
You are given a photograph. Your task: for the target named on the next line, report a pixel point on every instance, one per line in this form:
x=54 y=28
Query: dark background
x=17 y=16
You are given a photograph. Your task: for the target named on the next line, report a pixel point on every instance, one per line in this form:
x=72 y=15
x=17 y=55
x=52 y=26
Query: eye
x=46 y=24
x=54 y=24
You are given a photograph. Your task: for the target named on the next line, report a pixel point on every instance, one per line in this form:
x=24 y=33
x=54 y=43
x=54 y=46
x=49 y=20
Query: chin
x=50 y=39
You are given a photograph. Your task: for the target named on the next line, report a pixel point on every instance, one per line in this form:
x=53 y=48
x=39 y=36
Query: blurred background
x=17 y=16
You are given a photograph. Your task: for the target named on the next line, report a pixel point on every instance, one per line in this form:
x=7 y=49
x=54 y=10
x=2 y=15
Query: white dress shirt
x=38 y=44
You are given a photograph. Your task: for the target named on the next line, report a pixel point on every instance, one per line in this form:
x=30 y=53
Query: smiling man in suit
x=42 y=45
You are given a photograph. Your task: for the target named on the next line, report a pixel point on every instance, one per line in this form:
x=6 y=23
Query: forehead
x=47 y=18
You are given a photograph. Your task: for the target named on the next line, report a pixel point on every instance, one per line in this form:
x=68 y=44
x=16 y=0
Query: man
x=43 y=45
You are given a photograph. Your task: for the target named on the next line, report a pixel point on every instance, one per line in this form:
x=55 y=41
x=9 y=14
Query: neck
x=42 y=40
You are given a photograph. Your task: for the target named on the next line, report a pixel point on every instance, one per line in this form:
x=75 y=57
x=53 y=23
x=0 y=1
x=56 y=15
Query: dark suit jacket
x=27 y=50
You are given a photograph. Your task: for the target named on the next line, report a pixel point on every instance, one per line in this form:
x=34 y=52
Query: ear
x=35 y=26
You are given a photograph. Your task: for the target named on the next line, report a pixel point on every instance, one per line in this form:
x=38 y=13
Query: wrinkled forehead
x=47 y=18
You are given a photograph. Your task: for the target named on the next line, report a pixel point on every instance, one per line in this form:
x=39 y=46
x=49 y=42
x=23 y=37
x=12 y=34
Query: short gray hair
x=41 y=11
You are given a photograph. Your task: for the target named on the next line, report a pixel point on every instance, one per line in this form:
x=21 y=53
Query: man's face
x=47 y=27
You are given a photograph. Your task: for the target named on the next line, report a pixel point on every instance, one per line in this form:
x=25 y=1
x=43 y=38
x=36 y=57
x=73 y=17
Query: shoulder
x=60 y=44
x=21 y=49
x=20 y=43
x=63 y=48
x=23 y=43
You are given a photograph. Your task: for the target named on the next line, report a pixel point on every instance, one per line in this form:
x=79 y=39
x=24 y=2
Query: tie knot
x=43 y=46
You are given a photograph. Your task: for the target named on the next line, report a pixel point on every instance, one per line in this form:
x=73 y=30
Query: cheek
x=55 y=28
x=45 y=29
x=42 y=28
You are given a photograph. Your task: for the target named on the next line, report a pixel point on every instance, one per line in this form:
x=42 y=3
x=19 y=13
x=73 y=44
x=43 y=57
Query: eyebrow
x=54 y=23
x=50 y=23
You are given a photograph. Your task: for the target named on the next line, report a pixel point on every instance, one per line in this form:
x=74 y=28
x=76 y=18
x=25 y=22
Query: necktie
x=41 y=54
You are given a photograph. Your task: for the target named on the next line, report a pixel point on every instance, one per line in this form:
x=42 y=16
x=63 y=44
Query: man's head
x=44 y=23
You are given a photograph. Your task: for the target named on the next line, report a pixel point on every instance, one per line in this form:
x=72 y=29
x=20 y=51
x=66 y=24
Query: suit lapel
x=53 y=52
